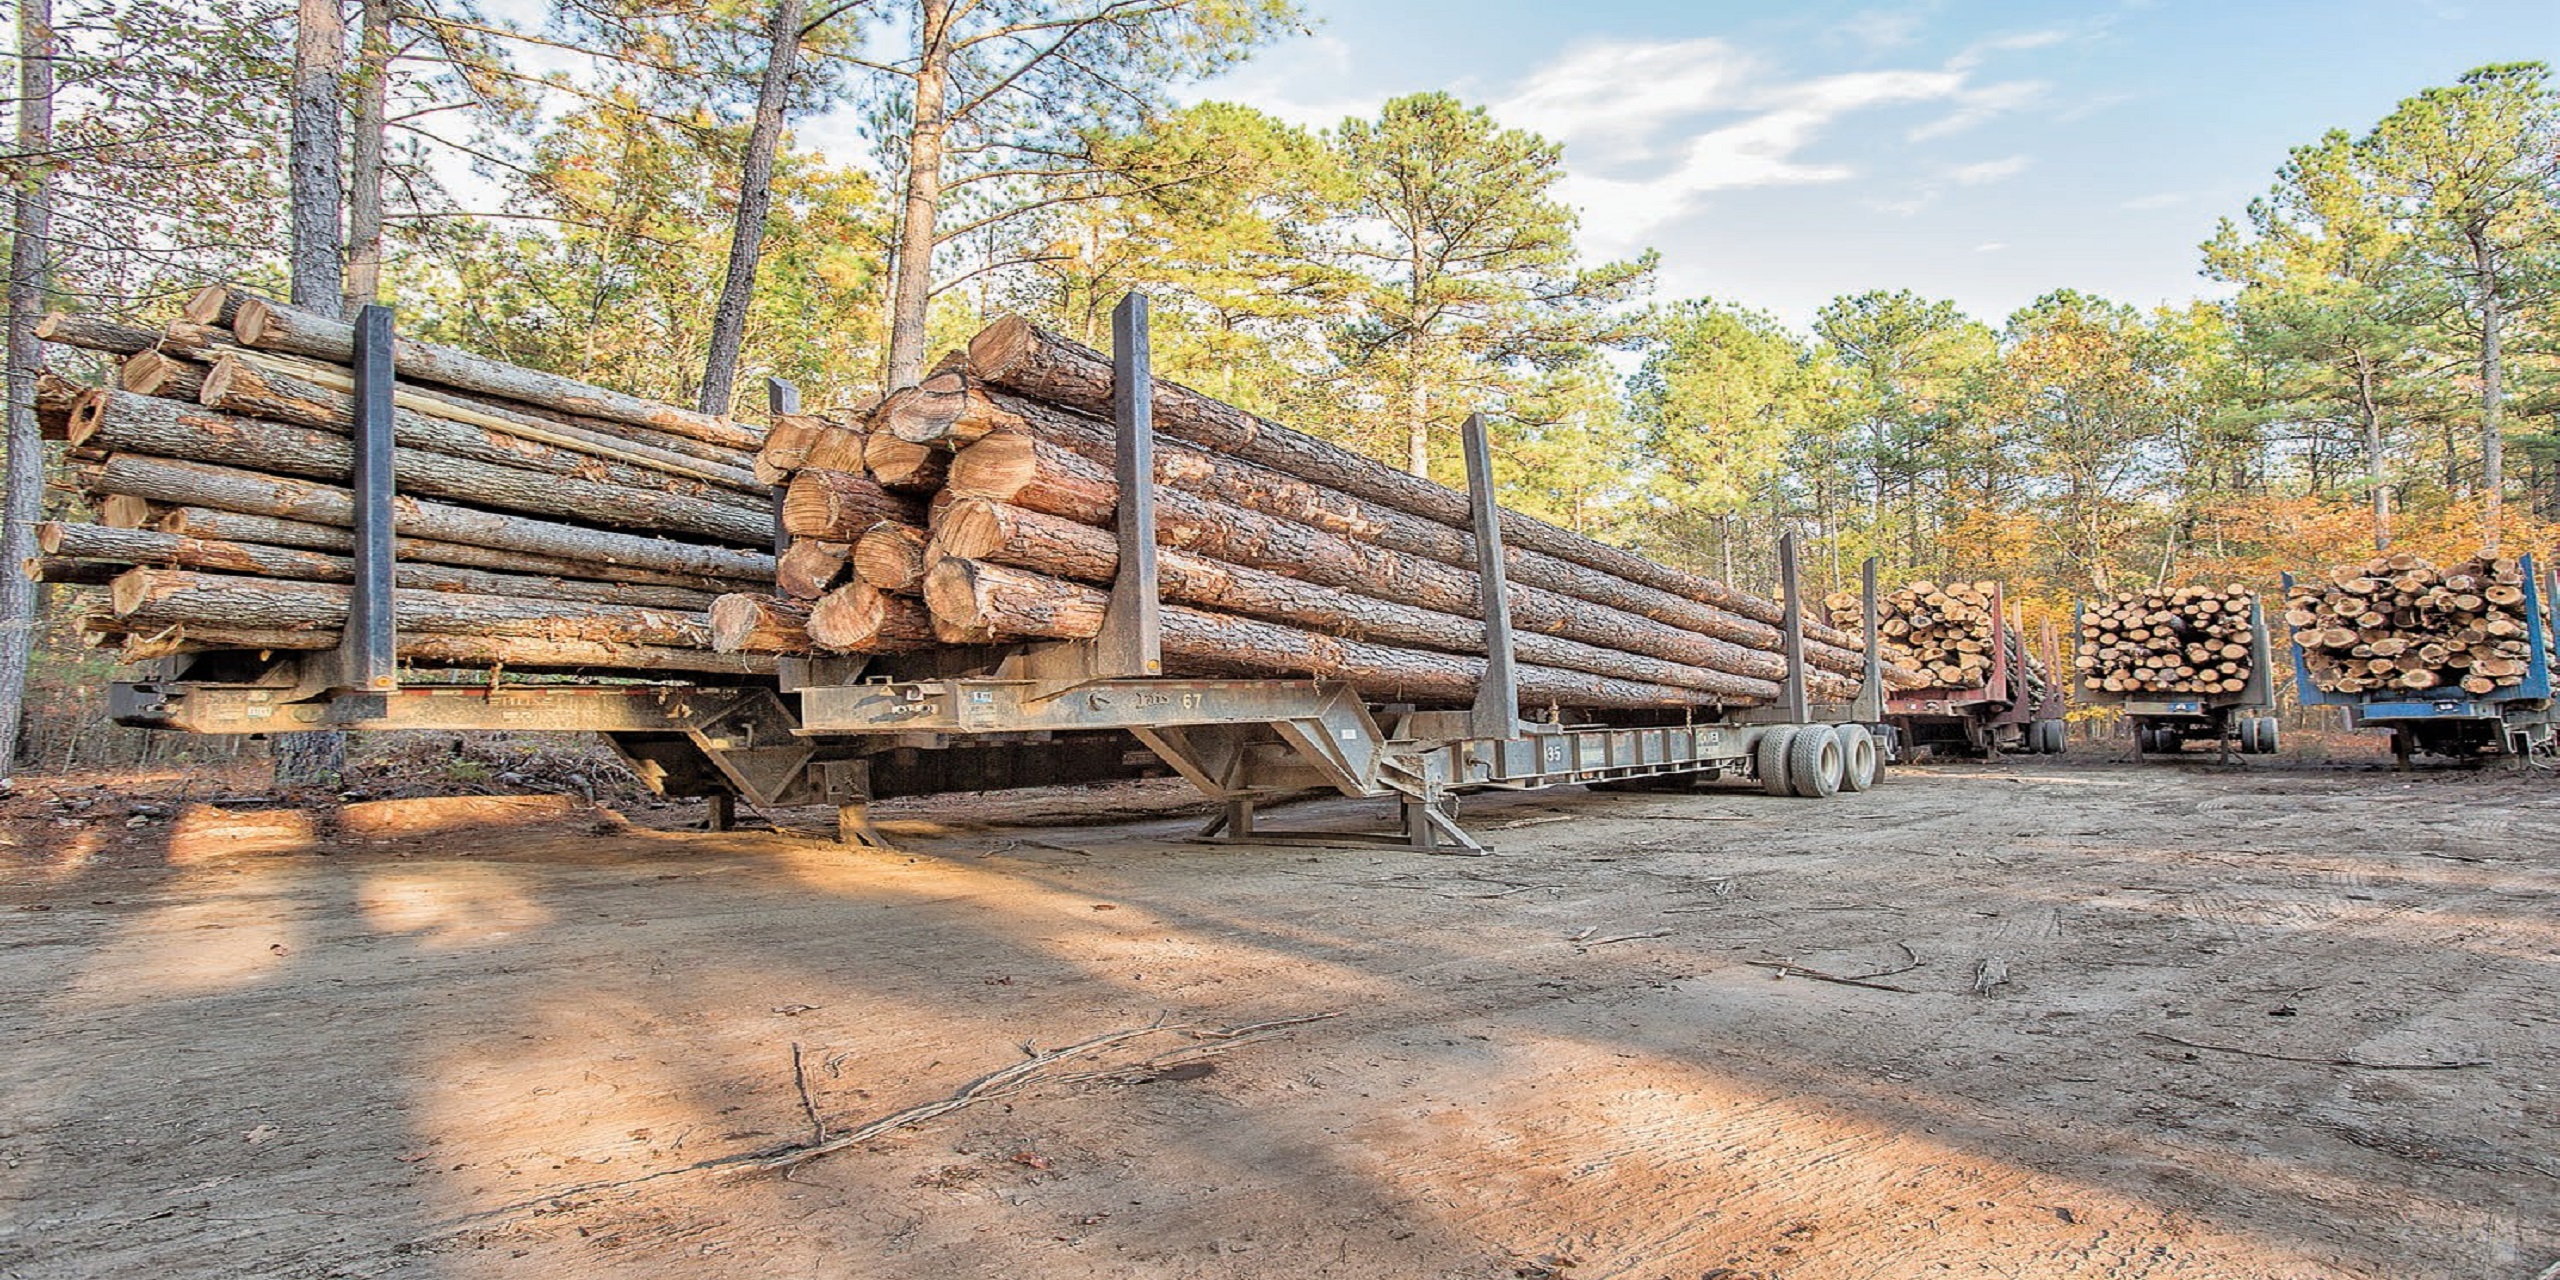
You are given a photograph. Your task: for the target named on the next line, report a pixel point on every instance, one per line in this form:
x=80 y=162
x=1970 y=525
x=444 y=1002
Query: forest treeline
x=2383 y=365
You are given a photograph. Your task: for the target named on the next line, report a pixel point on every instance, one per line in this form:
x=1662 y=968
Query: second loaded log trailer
x=847 y=731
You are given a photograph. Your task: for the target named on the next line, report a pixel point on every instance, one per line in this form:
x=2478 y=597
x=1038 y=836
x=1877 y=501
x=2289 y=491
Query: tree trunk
x=147 y=641
x=840 y=506
x=809 y=566
x=168 y=597
x=319 y=58
x=860 y=618
x=911 y=284
x=228 y=489
x=30 y=252
x=902 y=466
x=755 y=199
x=1019 y=604
x=304 y=332
x=975 y=529
x=891 y=557
x=87 y=332
x=2493 y=393
x=1260 y=489
x=2373 y=459
x=753 y=622
x=1020 y=357
x=151 y=547
x=233 y=526
x=123 y=421
x=1026 y=471
x=364 y=172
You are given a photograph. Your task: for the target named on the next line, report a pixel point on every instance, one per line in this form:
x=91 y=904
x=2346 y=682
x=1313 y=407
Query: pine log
x=65 y=571
x=809 y=566
x=215 y=304
x=124 y=511
x=656 y=451
x=943 y=410
x=860 y=618
x=121 y=420
x=274 y=327
x=754 y=622
x=155 y=373
x=167 y=597
x=233 y=526
x=1014 y=603
x=786 y=446
x=202 y=343
x=150 y=547
x=1261 y=489
x=902 y=466
x=838 y=449
x=1020 y=357
x=56 y=397
x=1026 y=471
x=890 y=556
x=840 y=505
x=237 y=387
x=196 y=484
x=519 y=652
x=94 y=333
x=975 y=529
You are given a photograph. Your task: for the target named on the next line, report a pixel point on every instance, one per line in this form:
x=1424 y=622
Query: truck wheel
x=1815 y=762
x=2251 y=743
x=2270 y=735
x=1769 y=758
x=1861 y=760
x=2145 y=742
x=2055 y=739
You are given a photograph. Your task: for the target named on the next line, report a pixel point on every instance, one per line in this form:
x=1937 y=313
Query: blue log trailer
x=2240 y=723
x=2518 y=722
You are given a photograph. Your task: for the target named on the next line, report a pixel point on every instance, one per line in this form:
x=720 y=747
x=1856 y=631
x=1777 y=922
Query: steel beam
x=780 y=397
x=1497 y=707
x=368 y=651
x=1792 y=697
x=1132 y=639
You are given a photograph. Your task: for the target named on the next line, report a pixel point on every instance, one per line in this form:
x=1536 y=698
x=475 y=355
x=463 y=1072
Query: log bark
x=237 y=387
x=64 y=571
x=121 y=420
x=233 y=526
x=196 y=484
x=95 y=333
x=809 y=566
x=1025 y=471
x=153 y=373
x=656 y=451
x=169 y=597
x=1021 y=357
x=754 y=622
x=156 y=641
x=840 y=506
x=976 y=529
x=150 y=547
x=1256 y=488
x=272 y=327
x=860 y=618
x=891 y=557
x=1014 y=603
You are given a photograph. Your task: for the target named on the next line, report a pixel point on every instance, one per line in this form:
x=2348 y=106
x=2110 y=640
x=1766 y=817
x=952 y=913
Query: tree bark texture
x=911 y=282
x=30 y=258
x=180 y=596
x=365 y=156
x=151 y=547
x=233 y=526
x=314 y=181
x=755 y=200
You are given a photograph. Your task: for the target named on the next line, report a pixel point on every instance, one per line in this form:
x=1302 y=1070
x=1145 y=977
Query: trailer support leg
x=721 y=813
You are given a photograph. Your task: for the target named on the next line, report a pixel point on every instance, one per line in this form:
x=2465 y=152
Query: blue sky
x=1779 y=155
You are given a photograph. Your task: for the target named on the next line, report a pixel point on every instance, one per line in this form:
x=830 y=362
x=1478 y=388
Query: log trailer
x=845 y=731
x=2520 y=722
x=2240 y=722
x=2000 y=714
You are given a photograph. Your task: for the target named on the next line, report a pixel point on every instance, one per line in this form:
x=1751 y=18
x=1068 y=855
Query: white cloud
x=1988 y=171
x=1991 y=246
x=1879 y=29
x=1652 y=127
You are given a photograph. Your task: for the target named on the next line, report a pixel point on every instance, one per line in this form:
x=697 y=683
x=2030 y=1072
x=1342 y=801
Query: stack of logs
x=2398 y=622
x=541 y=522
x=1944 y=630
x=977 y=508
x=2182 y=640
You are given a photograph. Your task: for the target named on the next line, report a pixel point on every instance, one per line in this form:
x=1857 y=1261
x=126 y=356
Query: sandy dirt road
x=2110 y=1037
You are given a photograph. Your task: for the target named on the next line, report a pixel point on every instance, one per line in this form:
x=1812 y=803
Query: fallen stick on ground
x=2317 y=1061
x=1786 y=970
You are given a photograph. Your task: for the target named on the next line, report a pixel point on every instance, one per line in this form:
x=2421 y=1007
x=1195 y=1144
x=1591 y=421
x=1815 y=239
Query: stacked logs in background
x=2182 y=640
x=2398 y=622
x=1944 y=630
x=541 y=523
x=981 y=506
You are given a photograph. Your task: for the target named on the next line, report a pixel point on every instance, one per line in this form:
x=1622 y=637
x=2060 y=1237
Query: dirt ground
x=2121 y=1021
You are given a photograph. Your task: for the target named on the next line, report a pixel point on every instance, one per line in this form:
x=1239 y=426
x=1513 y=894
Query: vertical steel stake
x=368 y=653
x=780 y=398
x=1791 y=692
x=1132 y=639
x=1871 y=691
x=1497 y=710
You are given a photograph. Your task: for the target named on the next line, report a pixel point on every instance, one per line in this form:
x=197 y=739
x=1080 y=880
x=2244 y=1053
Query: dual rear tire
x=1815 y=761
